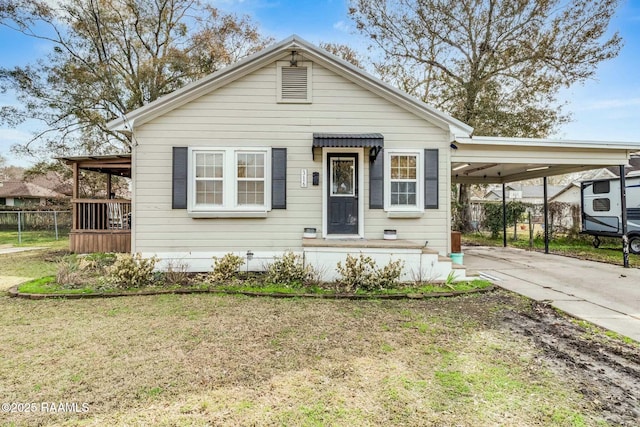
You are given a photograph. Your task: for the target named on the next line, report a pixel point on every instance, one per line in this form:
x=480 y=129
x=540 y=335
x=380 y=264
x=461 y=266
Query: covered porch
x=100 y=225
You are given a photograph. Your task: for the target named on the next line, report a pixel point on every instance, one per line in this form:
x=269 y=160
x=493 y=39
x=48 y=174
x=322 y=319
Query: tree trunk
x=464 y=204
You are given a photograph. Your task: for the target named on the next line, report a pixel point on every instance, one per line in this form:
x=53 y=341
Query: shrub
x=389 y=275
x=176 y=273
x=362 y=273
x=131 y=271
x=357 y=272
x=225 y=268
x=80 y=271
x=493 y=215
x=289 y=270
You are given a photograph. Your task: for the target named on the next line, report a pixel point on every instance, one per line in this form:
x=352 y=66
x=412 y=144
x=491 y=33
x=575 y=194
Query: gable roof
x=528 y=191
x=566 y=188
x=26 y=189
x=276 y=52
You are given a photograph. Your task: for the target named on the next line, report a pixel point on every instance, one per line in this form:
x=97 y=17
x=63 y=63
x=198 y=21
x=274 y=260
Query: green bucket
x=457 y=258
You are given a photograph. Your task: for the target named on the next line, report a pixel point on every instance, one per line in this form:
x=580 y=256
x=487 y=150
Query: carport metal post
x=623 y=206
x=546 y=216
x=504 y=216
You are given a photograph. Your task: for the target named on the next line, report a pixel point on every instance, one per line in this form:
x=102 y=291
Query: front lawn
x=228 y=360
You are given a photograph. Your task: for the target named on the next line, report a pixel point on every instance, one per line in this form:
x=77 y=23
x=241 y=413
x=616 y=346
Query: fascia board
x=551 y=143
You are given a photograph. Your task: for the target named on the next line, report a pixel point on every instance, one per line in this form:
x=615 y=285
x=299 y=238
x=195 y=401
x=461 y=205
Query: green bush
x=493 y=216
x=289 y=270
x=225 y=268
x=131 y=271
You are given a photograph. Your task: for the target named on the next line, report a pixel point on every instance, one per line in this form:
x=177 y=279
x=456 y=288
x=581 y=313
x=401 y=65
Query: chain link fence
x=18 y=227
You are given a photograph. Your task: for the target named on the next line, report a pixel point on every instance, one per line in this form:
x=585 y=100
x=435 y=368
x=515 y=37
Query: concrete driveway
x=604 y=294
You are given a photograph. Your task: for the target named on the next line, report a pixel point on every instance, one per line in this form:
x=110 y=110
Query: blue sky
x=606 y=108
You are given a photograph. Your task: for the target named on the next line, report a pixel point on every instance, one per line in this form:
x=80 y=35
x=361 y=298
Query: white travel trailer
x=602 y=210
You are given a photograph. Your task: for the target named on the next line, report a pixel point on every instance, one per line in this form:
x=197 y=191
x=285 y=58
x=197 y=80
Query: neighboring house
x=632 y=170
x=295 y=142
x=20 y=193
x=532 y=194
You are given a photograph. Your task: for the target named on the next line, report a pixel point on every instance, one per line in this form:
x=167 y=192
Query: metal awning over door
x=374 y=141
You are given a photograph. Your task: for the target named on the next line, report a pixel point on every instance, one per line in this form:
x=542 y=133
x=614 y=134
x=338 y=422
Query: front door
x=342 y=208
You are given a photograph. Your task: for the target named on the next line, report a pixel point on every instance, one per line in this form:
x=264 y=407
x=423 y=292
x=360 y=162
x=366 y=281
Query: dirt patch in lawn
x=607 y=371
x=481 y=360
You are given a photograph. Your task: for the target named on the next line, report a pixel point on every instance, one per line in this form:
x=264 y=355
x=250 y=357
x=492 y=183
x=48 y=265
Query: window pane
x=208 y=192
x=601 y=205
x=403 y=167
x=208 y=165
x=342 y=177
x=601 y=187
x=250 y=193
x=403 y=193
x=250 y=165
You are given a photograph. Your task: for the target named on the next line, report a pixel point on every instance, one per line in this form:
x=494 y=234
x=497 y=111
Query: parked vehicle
x=602 y=210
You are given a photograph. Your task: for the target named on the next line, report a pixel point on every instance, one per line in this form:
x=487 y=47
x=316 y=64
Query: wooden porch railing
x=101 y=214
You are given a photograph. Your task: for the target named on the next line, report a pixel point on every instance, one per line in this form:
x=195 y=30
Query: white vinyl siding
x=245 y=114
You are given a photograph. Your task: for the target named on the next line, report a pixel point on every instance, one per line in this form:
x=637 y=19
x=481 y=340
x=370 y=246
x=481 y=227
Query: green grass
x=223 y=360
x=33 y=238
x=34 y=263
x=47 y=285
x=610 y=250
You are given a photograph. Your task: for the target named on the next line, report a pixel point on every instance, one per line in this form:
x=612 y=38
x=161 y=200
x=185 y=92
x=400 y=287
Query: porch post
x=546 y=217
x=623 y=206
x=76 y=188
x=504 y=216
x=108 y=186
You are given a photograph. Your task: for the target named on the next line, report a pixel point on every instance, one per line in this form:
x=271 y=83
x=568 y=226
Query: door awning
x=375 y=141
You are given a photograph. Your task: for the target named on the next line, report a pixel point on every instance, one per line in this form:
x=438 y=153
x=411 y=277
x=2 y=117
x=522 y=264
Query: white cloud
x=342 y=26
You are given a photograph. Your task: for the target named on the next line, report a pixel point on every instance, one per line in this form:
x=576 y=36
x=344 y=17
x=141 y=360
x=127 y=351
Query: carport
x=495 y=160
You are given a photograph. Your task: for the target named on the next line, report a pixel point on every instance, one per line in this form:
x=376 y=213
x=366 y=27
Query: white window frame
x=286 y=64
x=229 y=207
x=419 y=207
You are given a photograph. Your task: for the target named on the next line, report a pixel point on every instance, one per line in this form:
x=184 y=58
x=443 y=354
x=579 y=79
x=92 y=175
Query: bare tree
x=497 y=65
x=109 y=57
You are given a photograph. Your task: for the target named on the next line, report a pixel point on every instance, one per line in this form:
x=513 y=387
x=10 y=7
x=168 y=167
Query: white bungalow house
x=292 y=141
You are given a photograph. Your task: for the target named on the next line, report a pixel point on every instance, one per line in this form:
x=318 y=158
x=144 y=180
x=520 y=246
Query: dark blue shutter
x=431 y=178
x=278 y=178
x=376 y=182
x=179 y=173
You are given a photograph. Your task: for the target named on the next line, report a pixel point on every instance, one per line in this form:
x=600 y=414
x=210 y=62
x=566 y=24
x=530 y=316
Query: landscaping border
x=13 y=292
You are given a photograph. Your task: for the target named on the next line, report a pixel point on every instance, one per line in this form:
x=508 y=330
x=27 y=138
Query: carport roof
x=494 y=160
